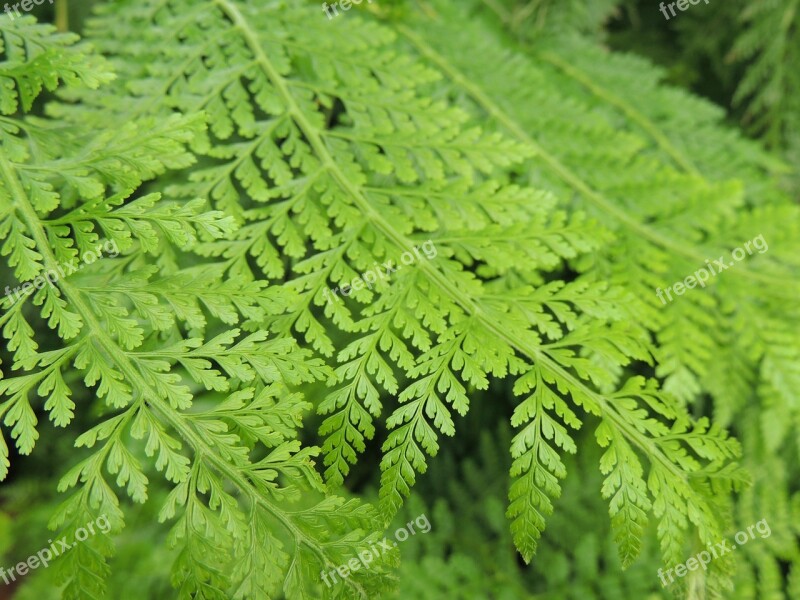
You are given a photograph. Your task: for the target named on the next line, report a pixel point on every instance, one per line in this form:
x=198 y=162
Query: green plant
x=245 y=157
x=209 y=408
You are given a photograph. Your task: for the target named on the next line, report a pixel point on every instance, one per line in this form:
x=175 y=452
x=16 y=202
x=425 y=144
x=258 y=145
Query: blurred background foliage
x=743 y=55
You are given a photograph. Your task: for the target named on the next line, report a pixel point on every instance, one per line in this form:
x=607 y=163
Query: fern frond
x=327 y=159
x=236 y=467
x=36 y=58
x=670 y=212
x=769 y=44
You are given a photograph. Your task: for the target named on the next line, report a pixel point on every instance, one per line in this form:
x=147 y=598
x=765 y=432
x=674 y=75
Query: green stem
x=62 y=15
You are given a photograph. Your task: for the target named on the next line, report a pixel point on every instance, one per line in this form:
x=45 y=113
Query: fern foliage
x=372 y=165
x=518 y=198
x=649 y=252
x=770 y=43
x=570 y=563
x=208 y=408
